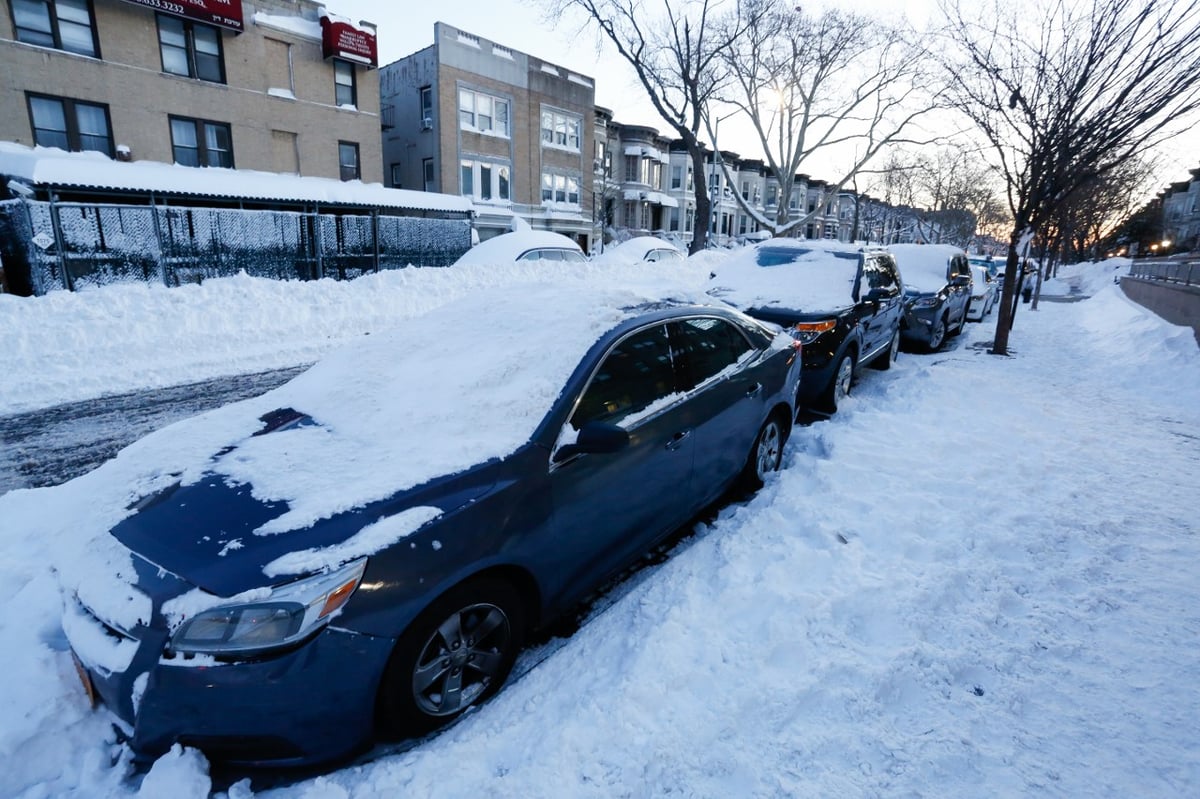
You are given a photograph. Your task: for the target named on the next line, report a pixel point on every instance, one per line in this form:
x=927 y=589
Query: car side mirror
x=595 y=438
x=877 y=294
x=961 y=280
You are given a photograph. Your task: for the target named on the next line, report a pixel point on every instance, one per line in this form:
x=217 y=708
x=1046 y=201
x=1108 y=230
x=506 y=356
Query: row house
x=1181 y=213
x=271 y=85
x=513 y=133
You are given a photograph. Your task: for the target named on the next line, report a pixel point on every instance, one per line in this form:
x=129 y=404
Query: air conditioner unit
x=427 y=124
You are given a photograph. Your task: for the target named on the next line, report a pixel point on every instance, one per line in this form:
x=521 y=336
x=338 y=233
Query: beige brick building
x=471 y=117
x=203 y=83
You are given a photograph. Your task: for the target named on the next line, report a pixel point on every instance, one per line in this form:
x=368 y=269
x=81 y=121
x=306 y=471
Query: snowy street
x=976 y=579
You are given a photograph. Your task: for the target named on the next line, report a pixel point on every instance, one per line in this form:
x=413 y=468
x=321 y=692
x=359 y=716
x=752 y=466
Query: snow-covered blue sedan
x=367 y=546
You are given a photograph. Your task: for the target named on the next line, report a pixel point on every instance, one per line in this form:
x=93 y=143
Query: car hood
x=210 y=532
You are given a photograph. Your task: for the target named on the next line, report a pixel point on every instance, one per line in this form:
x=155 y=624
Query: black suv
x=844 y=302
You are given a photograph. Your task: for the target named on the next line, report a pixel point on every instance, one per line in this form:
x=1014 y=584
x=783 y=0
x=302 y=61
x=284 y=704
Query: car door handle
x=754 y=390
x=677 y=440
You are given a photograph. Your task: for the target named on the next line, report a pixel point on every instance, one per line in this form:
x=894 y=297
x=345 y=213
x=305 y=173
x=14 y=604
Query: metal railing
x=1184 y=271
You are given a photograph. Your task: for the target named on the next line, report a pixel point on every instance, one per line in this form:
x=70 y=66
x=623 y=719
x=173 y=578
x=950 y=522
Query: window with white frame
x=486 y=181
x=559 y=188
x=677 y=176
x=561 y=130
x=673 y=220
x=483 y=113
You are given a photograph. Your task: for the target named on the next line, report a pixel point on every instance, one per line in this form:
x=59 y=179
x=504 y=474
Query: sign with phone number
x=223 y=13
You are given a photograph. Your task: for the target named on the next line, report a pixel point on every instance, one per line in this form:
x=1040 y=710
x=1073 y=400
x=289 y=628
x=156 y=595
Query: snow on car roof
x=634 y=250
x=467 y=382
x=923 y=266
x=507 y=247
x=789 y=273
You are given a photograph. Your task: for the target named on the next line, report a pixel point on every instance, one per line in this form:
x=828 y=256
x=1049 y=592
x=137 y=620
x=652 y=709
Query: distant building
x=510 y=131
x=1181 y=213
x=273 y=85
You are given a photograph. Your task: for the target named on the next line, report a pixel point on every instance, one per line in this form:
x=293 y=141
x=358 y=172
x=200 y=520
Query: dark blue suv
x=368 y=546
x=842 y=301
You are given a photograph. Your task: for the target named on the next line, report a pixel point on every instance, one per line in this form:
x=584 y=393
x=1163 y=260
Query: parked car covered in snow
x=640 y=248
x=937 y=292
x=984 y=291
x=368 y=545
x=524 y=245
x=843 y=302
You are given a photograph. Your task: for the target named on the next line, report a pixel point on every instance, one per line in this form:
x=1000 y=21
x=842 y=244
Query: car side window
x=704 y=346
x=634 y=374
x=881 y=274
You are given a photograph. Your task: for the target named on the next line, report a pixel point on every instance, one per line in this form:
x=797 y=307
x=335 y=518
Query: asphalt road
x=52 y=445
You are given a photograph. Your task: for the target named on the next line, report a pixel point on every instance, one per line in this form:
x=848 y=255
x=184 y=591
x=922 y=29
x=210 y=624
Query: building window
x=561 y=130
x=677 y=177
x=348 y=166
x=430 y=177
x=61 y=24
x=345 y=89
x=190 y=49
x=196 y=142
x=396 y=173
x=482 y=113
x=483 y=180
x=561 y=189
x=426 y=107
x=70 y=124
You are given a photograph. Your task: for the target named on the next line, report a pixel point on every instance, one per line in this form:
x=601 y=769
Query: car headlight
x=808 y=332
x=287 y=614
x=926 y=302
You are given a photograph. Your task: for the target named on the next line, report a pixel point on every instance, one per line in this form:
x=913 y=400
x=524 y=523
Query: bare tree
x=816 y=85
x=675 y=48
x=1065 y=91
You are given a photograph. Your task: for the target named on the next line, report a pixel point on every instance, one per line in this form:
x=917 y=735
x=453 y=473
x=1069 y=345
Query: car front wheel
x=457 y=653
x=839 y=386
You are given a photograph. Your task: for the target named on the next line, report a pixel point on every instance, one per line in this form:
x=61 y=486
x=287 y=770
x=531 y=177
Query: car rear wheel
x=937 y=334
x=839 y=386
x=885 y=359
x=457 y=653
x=767 y=453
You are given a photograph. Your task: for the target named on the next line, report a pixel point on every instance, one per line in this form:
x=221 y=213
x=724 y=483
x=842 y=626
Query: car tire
x=456 y=654
x=839 y=385
x=885 y=359
x=767 y=453
x=937 y=334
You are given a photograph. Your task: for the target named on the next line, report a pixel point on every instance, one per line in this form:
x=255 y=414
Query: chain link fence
x=47 y=246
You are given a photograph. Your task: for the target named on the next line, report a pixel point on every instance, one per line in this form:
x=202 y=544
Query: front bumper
x=918 y=323
x=310 y=704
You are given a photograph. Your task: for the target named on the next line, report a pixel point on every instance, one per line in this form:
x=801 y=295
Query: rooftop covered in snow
x=47 y=169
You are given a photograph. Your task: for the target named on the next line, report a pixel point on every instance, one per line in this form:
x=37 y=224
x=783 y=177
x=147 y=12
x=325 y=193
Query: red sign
x=342 y=39
x=223 y=13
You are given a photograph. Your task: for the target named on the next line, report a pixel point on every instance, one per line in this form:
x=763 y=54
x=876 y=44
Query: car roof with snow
x=636 y=249
x=508 y=247
x=924 y=267
x=795 y=274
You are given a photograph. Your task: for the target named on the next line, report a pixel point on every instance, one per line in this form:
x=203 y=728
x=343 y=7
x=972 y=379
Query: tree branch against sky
x=674 y=47
x=1065 y=91
x=816 y=86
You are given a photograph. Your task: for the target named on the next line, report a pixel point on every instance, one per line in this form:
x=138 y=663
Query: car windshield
x=797 y=278
x=923 y=268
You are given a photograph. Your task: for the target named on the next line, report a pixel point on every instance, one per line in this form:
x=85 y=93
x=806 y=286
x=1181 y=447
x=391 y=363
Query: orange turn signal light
x=338 y=597
x=816 y=327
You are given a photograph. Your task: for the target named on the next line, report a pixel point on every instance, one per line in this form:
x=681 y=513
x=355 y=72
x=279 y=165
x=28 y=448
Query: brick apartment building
x=510 y=131
x=273 y=85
